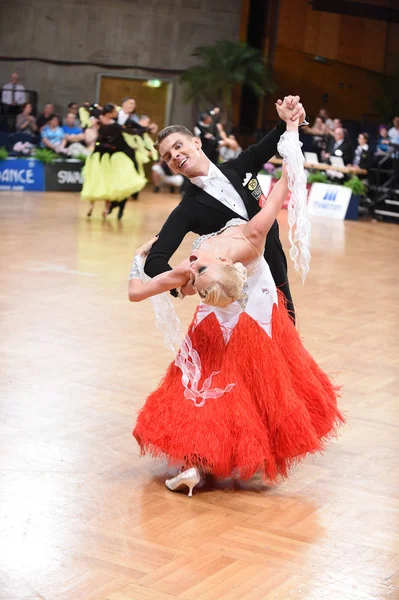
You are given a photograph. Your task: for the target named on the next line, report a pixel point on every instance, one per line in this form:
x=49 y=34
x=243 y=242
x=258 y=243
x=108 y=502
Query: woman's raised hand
x=145 y=248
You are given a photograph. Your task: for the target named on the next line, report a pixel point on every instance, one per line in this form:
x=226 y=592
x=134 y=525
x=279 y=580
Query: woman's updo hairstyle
x=226 y=287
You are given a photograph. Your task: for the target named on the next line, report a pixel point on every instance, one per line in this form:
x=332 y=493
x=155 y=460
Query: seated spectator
x=383 y=146
x=362 y=157
x=13 y=96
x=161 y=174
x=75 y=138
x=73 y=133
x=43 y=119
x=73 y=108
x=339 y=146
x=337 y=124
x=53 y=136
x=319 y=131
x=26 y=122
x=393 y=133
x=146 y=122
x=206 y=130
x=229 y=148
x=325 y=118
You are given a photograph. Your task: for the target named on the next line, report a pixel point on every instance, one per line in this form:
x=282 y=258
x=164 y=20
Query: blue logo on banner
x=21 y=174
x=330 y=195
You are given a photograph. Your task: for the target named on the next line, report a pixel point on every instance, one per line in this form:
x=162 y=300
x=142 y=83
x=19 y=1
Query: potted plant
x=358 y=188
x=3 y=153
x=317 y=178
x=223 y=66
x=45 y=155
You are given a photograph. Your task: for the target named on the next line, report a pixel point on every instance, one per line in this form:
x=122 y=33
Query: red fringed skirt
x=282 y=406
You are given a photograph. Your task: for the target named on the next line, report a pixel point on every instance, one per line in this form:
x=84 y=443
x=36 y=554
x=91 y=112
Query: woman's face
x=54 y=122
x=383 y=132
x=28 y=109
x=203 y=268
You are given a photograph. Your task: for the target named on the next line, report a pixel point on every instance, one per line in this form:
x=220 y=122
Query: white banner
x=329 y=201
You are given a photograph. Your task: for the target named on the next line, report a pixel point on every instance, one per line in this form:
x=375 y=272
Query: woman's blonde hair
x=226 y=287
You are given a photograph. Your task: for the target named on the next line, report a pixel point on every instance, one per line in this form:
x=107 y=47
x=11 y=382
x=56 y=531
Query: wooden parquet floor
x=82 y=516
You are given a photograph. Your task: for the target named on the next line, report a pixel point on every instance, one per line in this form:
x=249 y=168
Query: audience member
x=43 y=119
x=161 y=174
x=319 y=131
x=393 y=133
x=73 y=132
x=73 y=107
x=127 y=111
x=13 y=95
x=325 y=118
x=206 y=130
x=26 y=122
x=229 y=148
x=53 y=136
x=383 y=146
x=362 y=157
x=339 y=147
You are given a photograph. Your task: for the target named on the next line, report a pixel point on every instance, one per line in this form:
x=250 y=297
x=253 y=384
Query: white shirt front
x=217 y=185
x=13 y=92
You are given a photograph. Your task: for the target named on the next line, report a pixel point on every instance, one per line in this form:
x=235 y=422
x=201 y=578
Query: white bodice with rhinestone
x=261 y=291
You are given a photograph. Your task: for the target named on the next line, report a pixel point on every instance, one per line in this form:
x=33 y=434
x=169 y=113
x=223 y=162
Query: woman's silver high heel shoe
x=189 y=477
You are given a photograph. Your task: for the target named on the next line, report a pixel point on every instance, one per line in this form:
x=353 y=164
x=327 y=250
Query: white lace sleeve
x=166 y=318
x=289 y=147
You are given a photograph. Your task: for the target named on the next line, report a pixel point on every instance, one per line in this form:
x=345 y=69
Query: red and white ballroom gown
x=243 y=395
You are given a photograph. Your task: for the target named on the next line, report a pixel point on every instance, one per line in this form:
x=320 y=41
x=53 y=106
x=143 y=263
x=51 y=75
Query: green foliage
x=81 y=157
x=356 y=185
x=224 y=65
x=3 y=153
x=45 y=155
x=277 y=174
x=317 y=178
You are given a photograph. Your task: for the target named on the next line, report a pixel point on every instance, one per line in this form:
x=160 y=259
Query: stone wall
x=116 y=37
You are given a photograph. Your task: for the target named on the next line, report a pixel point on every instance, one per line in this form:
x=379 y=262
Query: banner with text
x=330 y=201
x=21 y=174
x=64 y=176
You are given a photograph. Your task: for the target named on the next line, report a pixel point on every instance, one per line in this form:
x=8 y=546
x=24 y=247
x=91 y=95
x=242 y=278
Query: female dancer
x=243 y=395
x=111 y=172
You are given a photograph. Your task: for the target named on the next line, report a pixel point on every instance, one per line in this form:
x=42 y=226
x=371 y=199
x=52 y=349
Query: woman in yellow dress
x=111 y=172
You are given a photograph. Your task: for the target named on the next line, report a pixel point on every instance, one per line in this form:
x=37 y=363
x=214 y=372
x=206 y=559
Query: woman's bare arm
x=177 y=277
x=258 y=227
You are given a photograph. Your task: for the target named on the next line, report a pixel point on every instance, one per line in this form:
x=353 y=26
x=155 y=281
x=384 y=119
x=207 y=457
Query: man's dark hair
x=167 y=131
x=71 y=104
x=126 y=98
x=204 y=115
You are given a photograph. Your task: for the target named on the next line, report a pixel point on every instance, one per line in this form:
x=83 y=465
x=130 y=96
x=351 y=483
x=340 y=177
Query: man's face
x=70 y=119
x=322 y=113
x=361 y=140
x=181 y=153
x=396 y=122
x=48 y=109
x=128 y=106
x=14 y=78
x=338 y=134
x=74 y=109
